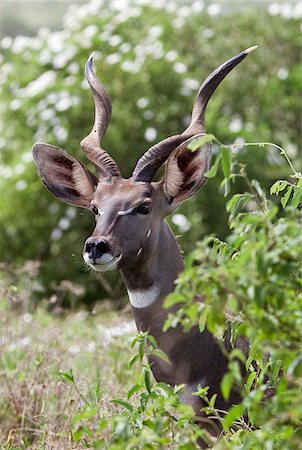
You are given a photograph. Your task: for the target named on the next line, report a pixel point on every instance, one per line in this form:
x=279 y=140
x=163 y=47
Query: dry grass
x=38 y=407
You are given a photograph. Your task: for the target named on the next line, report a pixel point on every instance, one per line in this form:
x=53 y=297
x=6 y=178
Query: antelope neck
x=152 y=278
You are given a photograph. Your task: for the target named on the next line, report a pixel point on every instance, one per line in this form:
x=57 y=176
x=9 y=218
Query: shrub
x=254 y=278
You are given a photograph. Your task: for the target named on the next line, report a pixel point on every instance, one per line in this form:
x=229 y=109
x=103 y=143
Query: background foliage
x=152 y=59
x=61 y=387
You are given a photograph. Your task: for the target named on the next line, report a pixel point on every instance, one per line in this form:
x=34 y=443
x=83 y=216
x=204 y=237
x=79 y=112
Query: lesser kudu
x=131 y=233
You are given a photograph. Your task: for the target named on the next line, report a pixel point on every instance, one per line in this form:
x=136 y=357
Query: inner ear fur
x=64 y=176
x=185 y=169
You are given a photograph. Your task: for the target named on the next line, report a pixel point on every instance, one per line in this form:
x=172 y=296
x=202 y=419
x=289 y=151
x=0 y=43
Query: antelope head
x=129 y=212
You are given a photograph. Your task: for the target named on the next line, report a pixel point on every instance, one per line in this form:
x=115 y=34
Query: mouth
x=103 y=264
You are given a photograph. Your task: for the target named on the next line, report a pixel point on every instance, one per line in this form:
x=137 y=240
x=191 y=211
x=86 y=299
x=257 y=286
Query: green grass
x=40 y=406
x=73 y=379
x=79 y=380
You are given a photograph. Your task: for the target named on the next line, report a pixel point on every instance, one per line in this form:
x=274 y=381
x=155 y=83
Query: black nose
x=96 y=248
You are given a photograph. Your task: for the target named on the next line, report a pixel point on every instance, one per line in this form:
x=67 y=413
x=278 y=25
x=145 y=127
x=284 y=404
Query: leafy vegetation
x=254 y=278
x=79 y=380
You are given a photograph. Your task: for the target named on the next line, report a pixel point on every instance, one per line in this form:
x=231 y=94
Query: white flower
x=36 y=87
x=150 y=134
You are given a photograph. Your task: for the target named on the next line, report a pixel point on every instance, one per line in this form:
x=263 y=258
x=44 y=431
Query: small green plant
x=149 y=416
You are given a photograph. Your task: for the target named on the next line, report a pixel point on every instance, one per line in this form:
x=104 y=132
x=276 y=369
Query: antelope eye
x=145 y=208
x=95 y=210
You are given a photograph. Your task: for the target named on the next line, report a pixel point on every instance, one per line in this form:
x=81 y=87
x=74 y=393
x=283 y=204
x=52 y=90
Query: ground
x=40 y=356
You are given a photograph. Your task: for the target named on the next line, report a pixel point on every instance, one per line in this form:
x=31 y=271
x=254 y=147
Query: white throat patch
x=143 y=298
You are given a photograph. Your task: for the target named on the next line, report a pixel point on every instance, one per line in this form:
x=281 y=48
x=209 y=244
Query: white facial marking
x=124 y=213
x=148 y=234
x=143 y=298
x=105 y=258
x=106 y=262
x=139 y=252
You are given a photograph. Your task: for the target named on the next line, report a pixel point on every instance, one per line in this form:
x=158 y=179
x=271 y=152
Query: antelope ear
x=64 y=175
x=185 y=169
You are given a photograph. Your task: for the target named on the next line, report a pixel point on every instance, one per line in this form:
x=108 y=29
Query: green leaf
x=133 y=360
x=167 y=325
x=213 y=171
x=123 y=403
x=103 y=423
x=141 y=350
x=231 y=204
x=173 y=299
x=134 y=390
x=171 y=322
x=282 y=386
x=227 y=384
x=284 y=200
x=295 y=369
x=198 y=142
x=237 y=354
x=203 y=318
x=234 y=413
x=227 y=186
x=151 y=339
x=149 y=423
x=78 y=434
x=67 y=376
x=297 y=197
x=278 y=186
x=226 y=161
x=237 y=202
x=147 y=380
x=135 y=340
x=144 y=400
x=86 y=414
x=160 y=354
x=273 y=212
x=166 y=388
x=179 y=388
x=250 y=381
x=213 y=400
